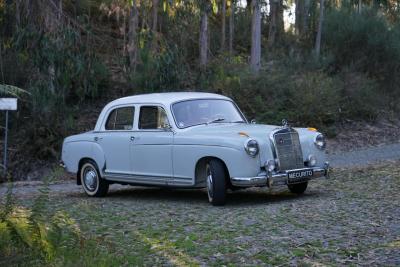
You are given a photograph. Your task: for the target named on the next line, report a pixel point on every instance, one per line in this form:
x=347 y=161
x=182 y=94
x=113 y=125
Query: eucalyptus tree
x=231 y=25
x=155 y=4
x=276 y=26
x=133 y=23
x=255 y=56
x=223 y=24
x=319 y=31
x=205 y=6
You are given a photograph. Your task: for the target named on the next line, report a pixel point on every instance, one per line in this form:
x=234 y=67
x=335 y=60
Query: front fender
x=238 y=163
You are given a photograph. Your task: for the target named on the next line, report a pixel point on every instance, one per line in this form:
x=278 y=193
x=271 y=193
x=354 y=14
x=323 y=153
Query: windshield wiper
x=216 y=120
x=237 y=121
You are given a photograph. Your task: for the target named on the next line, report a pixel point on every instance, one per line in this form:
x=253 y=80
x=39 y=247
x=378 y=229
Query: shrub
x=366 y=43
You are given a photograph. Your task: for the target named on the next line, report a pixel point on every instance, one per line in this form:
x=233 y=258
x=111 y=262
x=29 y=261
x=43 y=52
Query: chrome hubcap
x=90 y=179
x=210 y=188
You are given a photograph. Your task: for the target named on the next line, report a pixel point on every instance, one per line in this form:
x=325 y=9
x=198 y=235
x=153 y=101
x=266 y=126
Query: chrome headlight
x=251 y=147
x=320 y=141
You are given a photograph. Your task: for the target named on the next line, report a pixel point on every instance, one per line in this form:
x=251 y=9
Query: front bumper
x=270 y=179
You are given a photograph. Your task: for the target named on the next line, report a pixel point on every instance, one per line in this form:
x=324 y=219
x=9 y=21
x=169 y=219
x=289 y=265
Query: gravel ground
x=365 y=156
x=350 y=219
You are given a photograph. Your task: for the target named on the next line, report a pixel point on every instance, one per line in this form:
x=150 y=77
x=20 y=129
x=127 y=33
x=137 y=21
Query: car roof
x=164 y=98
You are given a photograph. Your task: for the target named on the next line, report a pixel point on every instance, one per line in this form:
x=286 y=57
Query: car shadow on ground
x=244 y=197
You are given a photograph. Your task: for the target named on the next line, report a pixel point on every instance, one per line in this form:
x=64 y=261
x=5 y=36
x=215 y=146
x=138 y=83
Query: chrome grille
x=288 y=149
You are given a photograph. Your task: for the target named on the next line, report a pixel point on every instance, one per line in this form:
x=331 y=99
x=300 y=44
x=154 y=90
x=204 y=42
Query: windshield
x=204 y=111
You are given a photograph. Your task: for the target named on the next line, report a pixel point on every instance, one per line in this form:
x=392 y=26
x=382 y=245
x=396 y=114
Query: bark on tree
x=273 y=9
x=60 y=10
x=17 y=14
x=299 y=16
x=319 y=32
x=203 y=38
x=306 y=12
x=279 y=18
x=302 y=15
x=231 y=26
x=155 y=15
x=255 y=58
x=223 y=25
x=132 y=36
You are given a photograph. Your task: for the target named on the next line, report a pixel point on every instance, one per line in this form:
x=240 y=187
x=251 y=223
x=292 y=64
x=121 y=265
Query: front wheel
x=216 y=182
x=92 y=183
x=298 y=188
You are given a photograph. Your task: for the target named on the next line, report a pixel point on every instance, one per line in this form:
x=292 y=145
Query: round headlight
x=251 y=147
x=320 y=141
x=312 y=160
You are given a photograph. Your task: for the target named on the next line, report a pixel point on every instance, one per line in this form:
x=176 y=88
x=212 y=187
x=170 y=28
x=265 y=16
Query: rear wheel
x=92 y=183
x=298 y=188
x=216 y=182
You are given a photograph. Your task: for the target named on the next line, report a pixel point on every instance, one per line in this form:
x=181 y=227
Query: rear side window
x=152 y=117
x=120 y=119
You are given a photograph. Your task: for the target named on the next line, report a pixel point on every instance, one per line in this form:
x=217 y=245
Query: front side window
x=120 y=119
x=153 y=117
x=194 y=112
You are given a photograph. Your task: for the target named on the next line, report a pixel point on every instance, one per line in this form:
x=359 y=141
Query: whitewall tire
x=92 y=183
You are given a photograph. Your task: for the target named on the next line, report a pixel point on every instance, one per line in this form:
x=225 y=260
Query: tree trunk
x=255 y=58
x=60 y=10
x=276 y=26
x=359 y=6
x=302 y=14
x=304 y=20
x=299 y=17
x=132 y=36
x=18 y=14
x=155 y=15
x=203 y=38
x=223 y=25
x=279 y=18
x=319 y=32
x=231 y=26
x=272 y=24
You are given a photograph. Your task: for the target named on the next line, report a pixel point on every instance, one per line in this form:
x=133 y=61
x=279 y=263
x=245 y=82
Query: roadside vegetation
x=351 y=219
x=71 y=57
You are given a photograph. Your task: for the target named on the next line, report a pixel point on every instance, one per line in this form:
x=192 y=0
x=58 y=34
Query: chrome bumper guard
x=272 y=179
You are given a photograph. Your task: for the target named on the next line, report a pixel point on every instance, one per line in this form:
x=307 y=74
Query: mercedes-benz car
x=191 y=140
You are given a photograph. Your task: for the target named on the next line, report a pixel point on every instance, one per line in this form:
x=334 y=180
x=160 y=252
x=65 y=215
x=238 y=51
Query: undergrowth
x=37 y=236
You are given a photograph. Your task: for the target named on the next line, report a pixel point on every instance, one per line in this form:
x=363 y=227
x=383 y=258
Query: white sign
x=8 y=104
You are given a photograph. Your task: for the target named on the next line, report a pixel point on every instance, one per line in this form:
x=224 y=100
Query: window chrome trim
x=108 y=114
x=151 y=130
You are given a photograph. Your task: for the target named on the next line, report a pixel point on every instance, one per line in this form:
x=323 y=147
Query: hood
x=227 y=133
x=256 y=131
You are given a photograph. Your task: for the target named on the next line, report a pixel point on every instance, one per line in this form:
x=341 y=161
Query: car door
x=115 y=140
x=151 y=148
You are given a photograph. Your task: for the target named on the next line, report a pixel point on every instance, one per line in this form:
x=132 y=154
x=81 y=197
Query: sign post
x=7 y=104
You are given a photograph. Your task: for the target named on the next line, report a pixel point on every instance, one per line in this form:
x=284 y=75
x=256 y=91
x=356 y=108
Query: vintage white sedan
x=191 y=140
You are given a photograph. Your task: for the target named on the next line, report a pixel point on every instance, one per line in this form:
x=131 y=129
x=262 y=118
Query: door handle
x=132 y=138
x=98 y=138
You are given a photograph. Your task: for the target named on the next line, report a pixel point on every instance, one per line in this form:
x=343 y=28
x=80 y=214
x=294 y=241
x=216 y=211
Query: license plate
x=299 y=175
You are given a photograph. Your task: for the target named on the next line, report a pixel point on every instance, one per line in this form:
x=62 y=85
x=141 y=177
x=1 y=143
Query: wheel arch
x=200 y=169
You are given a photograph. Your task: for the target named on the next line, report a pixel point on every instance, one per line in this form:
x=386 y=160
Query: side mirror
x=253 y=121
